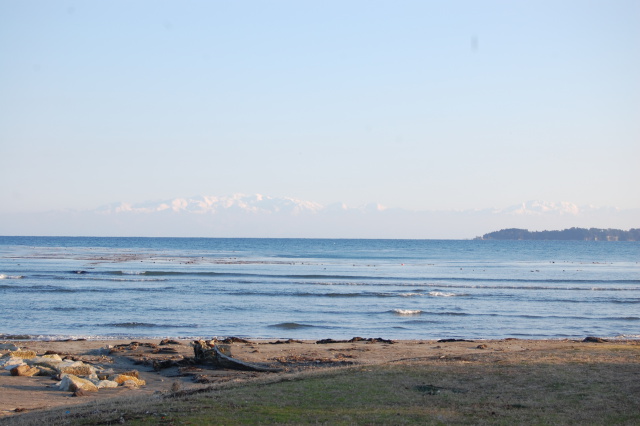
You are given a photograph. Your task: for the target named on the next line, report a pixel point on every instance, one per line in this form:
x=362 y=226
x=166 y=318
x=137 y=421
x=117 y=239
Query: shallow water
x=309 y=288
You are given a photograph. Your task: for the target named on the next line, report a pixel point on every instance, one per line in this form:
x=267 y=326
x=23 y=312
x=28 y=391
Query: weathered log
x=220 y=356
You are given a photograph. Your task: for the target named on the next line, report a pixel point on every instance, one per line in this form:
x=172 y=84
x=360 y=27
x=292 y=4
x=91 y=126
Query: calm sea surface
x=309 y=288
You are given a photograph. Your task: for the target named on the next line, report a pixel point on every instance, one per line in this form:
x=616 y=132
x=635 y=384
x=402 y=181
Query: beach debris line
x=285 y=342
x=232 y=339
x=356 y=339
x=592 y=339
x=165 y=342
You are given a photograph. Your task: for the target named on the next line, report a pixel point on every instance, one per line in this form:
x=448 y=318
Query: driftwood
x=220 y=356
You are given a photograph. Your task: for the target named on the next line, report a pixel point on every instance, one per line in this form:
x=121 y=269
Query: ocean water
x=53 y=287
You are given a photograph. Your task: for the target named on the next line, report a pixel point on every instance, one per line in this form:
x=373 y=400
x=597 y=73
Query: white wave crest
x=338 y=283
x=10 y=277
x=134 y=280
x=410 y=294
x=407 y=311
x=440 y=294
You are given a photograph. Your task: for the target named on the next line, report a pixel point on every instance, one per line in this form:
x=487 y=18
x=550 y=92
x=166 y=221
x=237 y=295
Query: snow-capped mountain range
x=263 y=216
x=262 y=204
x=256 y=203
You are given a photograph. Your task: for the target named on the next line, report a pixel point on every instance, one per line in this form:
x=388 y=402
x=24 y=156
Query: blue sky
x=423 y=105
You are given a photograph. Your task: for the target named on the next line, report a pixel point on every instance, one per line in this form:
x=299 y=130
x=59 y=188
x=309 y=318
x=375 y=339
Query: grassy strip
x=567 y=388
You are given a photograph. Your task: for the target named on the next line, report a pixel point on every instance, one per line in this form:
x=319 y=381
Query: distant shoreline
x=571 y=234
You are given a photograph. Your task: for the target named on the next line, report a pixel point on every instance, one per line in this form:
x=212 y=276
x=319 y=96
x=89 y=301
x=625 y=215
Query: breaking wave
x=441 y=294
x=407 y=312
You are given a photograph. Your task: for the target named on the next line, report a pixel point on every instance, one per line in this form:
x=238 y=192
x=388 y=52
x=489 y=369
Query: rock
x=122 y=378
x=329 y=341
x=46 y=371
x=24 y=370
x=73 y=383
x=33 y=371
x=105 y=373
x=106 y=384
x=169 y=342
x=45 y=362
x=284 y=342
x=354 y=340
x=8 y=347
x=51 y=361
x=79 y=392
x=130 y=384
x=64 y=384
x=8 y=363
x=54 y=357
x=230 y=340
x=132 y=373
x=77 y=368
x=24 y=354
x=482 y=346
x=82 y=384
x=595 y=340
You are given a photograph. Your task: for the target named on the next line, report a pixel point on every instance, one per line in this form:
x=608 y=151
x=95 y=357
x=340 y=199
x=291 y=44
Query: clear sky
x=413 y=104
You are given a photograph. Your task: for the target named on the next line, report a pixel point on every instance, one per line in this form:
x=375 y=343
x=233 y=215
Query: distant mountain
x=592 y=234
x=257 y=203
x=263 y=216
x=540 y=208
x=211 y=204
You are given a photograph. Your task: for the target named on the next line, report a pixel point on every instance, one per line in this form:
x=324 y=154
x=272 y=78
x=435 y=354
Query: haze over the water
x=421 y=106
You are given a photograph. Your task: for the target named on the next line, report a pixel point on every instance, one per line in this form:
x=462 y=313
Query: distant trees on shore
x=592 y=234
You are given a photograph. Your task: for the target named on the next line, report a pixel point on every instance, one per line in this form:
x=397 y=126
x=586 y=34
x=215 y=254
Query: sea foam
x=440 y=294
x=407 y=312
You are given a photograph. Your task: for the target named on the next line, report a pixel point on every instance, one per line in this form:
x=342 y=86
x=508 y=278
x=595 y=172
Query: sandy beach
x=168 y=366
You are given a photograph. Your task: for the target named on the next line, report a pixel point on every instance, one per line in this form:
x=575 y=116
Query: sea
x=86 y=287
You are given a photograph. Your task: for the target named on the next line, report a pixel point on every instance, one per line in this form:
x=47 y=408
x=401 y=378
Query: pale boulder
x=8 y=347
x=10 y=363
x=130 y=384
x=73 y=383
x=54 y=357
x=102 y=384
x=51 y=361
